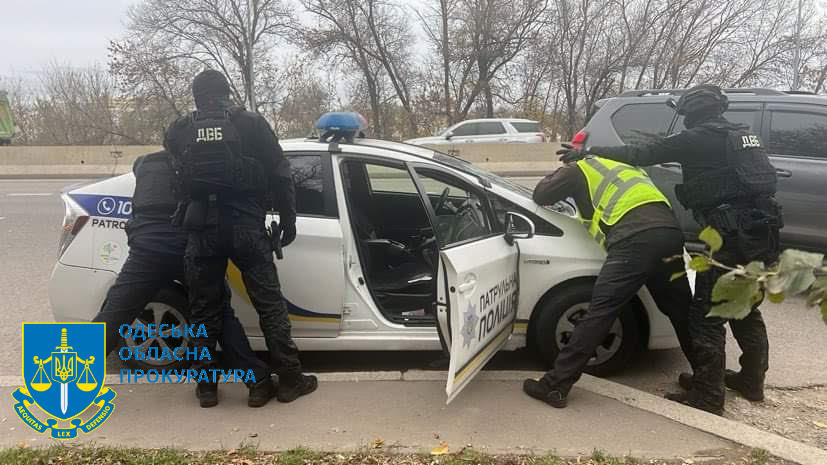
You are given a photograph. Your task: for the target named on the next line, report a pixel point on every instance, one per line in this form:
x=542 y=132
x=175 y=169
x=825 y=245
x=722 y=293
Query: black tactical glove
x=288 y=233
x=569 y=154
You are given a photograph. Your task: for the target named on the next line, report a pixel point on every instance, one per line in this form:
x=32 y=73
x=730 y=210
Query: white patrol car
x=399 y=248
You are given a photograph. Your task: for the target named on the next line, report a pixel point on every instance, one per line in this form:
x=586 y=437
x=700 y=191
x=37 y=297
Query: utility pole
x=797 y=54
x=251 y=5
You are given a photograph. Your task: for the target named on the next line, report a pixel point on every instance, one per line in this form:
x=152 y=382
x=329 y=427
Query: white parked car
x=489 y=130
x=399 y=248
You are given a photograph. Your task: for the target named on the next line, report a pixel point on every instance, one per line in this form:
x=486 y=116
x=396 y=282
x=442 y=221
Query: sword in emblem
x=67 y=368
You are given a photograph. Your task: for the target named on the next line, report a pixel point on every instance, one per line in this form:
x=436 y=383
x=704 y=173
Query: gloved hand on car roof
x=569 y=153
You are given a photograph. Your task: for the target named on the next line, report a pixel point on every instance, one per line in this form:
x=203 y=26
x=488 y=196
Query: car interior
x=397 y=244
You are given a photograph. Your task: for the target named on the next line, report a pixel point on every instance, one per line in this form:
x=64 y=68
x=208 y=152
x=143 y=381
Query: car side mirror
x=517 y=226
x=449 y=135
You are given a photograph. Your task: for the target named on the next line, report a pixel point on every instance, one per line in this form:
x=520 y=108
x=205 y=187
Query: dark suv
x=792 y=125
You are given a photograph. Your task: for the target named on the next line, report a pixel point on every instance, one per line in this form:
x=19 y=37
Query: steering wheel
x=442 y=199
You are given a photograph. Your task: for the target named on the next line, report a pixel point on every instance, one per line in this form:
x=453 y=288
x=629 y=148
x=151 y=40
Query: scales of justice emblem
x=66 y=380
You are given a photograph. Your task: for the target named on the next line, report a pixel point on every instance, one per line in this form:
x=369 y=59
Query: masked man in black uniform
x=156 y=261
x=231 y=170
x=728 y=184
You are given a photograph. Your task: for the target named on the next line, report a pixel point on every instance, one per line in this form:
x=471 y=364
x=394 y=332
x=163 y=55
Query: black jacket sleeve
x=675 y=148
x=557 y=186
x=280 y=175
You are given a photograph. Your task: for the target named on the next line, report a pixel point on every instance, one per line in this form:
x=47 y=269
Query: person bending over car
x=155 y=260
x=728 y=184
x=624 y=211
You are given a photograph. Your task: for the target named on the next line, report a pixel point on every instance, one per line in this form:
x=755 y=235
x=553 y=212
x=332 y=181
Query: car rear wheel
x=555 y=325
x=169 y=307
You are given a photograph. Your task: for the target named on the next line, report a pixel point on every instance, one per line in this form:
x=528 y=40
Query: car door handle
x=469 y=284
x=783 y=173
x=671 y=165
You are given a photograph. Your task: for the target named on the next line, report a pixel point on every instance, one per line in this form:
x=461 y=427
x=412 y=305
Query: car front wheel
x=555 y=324
x=169 y=307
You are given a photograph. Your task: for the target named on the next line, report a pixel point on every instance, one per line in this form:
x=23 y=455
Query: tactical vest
x=154 y=185
x=615 y=189
x=213 y=161
x=748 y=174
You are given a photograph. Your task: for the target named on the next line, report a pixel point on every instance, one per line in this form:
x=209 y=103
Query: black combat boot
x=207 y=394
x=541 y=390
x=736 y=381
x=686 y=398
x=685 y=381
x=753 y=392
x=261 y=392
x=294 y=385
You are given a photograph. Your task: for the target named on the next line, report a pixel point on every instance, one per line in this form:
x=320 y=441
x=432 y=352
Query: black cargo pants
x=245 y=242
x=630 y=264
x=143 y=275
x=709 y=335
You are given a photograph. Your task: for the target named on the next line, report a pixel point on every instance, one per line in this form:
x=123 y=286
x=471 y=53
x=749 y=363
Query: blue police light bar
x=340 y=125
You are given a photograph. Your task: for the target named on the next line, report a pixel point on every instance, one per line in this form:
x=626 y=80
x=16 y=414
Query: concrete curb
x=727 y=429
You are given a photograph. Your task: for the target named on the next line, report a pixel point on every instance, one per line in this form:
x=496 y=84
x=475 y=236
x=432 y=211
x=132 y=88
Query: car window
x=526 y=127
x=490 y=127
x=798 y=134
x=641 y=122
x=389 y=179
x=307 y=176
x=738 y=116
x=461 y=213
x=467 y=129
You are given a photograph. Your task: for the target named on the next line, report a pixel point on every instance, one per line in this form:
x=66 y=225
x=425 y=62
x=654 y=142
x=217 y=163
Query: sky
x=34 y=33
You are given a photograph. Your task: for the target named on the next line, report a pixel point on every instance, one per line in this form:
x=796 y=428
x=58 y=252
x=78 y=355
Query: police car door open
x=477 y=295
x=477 y=279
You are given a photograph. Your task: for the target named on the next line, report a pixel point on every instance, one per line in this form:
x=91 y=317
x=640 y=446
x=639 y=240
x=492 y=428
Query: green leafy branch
x=742 y=286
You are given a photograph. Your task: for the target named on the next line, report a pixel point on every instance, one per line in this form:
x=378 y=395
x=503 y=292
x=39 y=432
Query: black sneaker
x=686 y=399
x=540 y=390
x=294 y=386
x=207 y=394
x=261 y=392
x=753 y=392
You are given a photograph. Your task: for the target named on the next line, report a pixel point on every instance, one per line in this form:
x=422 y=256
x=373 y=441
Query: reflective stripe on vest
x=615 y=189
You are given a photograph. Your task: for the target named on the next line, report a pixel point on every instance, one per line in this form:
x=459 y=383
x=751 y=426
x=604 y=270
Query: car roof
x=734 y=95
x=507 y=120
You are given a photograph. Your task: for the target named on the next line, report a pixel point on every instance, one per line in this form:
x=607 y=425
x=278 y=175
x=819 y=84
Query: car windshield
x=468 y=167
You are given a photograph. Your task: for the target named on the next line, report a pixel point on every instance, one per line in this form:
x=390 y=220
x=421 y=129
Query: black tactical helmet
x=210 y=83
x=705 y=98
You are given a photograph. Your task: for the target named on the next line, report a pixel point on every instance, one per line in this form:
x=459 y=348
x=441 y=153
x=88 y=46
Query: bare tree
x=373 y=37
x=233 y=36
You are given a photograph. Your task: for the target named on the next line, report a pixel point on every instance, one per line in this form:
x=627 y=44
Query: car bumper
x=77 y=293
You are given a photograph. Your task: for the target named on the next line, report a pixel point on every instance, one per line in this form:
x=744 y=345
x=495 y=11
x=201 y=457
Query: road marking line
x=29 y=194
x=2 y=218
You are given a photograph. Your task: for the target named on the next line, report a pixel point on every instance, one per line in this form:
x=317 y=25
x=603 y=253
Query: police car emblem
x=469 y=325
x=64 y=365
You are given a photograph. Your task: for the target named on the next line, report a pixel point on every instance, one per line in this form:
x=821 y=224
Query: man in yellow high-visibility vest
x=632 y=219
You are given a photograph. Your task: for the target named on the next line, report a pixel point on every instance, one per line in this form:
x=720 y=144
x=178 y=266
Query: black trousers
x=629 y=265
x=142 y=276
x=248 y=246
x=709 y=334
